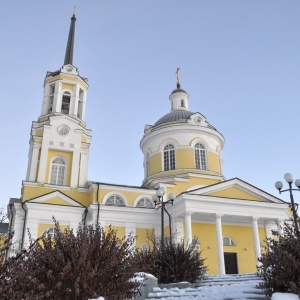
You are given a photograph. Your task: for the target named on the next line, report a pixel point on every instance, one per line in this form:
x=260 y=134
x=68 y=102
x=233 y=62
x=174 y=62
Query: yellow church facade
x=182 y=156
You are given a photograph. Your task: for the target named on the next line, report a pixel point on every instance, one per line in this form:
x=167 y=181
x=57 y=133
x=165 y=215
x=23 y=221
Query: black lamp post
x=289 y=179
x=159 y=202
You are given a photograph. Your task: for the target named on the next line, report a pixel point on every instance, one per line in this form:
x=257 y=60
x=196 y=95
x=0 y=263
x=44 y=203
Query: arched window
x=227 y=241
x=58 y=169
x=182 y=103
x=50 y=233
x=200 y=156
x=169 y=158
x=145 y=202
x=115 y=200
x=65 y=104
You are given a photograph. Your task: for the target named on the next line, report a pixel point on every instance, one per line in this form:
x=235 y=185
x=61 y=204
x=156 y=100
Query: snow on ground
x=238 y=290
x=221 y=288
x=282 y=296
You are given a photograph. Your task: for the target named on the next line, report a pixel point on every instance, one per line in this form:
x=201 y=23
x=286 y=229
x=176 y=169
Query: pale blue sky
x=239 y=60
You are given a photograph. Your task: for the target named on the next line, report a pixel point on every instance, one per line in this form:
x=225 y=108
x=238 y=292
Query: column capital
x=254 y=218
x=218 y=216
x=188 y=213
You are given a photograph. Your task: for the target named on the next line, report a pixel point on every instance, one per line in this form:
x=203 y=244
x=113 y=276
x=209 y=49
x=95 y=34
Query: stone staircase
x=238 y=286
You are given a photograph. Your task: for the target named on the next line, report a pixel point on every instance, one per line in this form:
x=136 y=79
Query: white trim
x=56 y=187
x=52 y=195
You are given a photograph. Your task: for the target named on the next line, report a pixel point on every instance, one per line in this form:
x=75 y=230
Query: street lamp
x=289 y=179
x=159 y=202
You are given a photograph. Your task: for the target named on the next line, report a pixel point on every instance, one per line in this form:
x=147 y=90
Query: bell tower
x=59 y=143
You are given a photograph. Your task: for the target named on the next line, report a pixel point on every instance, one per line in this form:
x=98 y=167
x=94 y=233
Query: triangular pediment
x=55 y=198
x=235 y=189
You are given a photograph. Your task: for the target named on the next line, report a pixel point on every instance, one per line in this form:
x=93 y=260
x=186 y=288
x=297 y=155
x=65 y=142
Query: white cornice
x=56 y=194
x=244 y=186
x=57 y=187
x=181 y=128
x=112 y=187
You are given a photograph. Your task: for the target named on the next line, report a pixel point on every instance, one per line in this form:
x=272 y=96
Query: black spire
x=70 y=45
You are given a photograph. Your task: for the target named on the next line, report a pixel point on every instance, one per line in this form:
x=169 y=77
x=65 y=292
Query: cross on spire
x=177 y=75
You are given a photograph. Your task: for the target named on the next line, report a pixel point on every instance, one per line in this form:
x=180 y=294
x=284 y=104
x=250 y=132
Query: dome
x=174 y=115
x=179 y=90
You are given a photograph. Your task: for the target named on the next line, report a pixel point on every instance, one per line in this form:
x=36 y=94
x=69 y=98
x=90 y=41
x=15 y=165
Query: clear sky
x=239 y=60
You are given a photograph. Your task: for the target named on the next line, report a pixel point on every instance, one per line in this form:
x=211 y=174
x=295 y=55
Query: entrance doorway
x=231 y=266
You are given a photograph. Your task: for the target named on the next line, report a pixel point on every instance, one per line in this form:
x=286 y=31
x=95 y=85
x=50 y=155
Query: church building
x=182 y=164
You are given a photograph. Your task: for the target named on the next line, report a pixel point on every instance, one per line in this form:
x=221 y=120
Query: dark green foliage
x=280 y=267
x=88 y=264
x=172 y=263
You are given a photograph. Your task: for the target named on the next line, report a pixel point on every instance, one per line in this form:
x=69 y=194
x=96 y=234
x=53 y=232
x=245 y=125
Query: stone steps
x=193 y=291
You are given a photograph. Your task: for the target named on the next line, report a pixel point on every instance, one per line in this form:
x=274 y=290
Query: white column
x=33 y=162
x=75 y=168
x=56 y=101
x=178 y=230
x=44 y=156
x=188 y=228
x=219 y=235
x=83 y=106
x=280 y=227
x=83 y=168
x=256 y=239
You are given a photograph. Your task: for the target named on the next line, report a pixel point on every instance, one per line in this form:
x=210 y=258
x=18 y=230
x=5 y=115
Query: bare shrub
x=88 y=264
x=174 y=262
x=280 y=267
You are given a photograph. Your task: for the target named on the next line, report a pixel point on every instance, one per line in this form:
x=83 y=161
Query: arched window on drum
x=200 y=156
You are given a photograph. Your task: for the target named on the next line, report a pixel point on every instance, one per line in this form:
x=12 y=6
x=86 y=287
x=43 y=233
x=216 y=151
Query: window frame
x=145 y=206
x=231 y=242
x=114 y=200
x=169 y=157
x=57 y=171
x=64 y=104
x=50 y=232
x=200 y=156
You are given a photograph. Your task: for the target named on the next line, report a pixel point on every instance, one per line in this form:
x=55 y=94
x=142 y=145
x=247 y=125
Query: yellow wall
x=56 y=201
x=142 y=236
x=185 y=159
x=62 y=77
x=68 y=156
x=67 y=86
x=213 y=162
x=243 y=237
x=39 y=132
x=236 y=193
x=33 y=192
x=155 y=163
x=120 y=231
x=129 y=196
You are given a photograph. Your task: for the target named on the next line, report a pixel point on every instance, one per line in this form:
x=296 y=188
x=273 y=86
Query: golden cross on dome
x=177 y=74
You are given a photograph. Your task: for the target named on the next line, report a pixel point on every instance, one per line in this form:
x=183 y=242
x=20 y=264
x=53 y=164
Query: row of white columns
x=219 y=237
